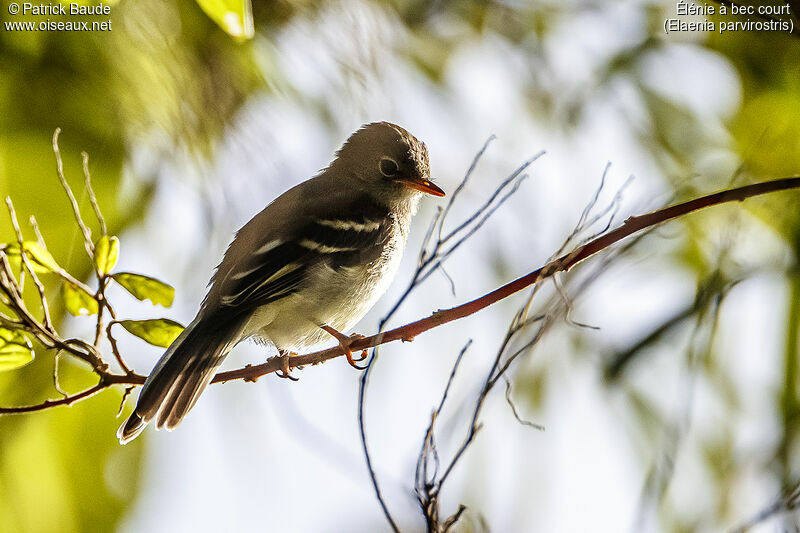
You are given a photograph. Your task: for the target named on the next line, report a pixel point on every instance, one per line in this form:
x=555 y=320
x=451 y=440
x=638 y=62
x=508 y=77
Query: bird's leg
x=344 y=343
x=284 y=372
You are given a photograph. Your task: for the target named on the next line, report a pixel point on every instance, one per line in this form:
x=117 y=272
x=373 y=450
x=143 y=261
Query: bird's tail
x=180 y=376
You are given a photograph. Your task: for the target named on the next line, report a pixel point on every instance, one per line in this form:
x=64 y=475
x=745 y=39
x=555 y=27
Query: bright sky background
x=286 y=456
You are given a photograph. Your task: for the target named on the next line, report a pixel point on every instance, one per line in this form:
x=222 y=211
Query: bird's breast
x=338 y=296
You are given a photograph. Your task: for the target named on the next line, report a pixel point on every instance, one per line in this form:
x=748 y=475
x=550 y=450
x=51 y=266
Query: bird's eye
x=388 y=167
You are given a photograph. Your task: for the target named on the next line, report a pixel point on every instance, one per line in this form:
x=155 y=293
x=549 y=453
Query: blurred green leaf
x=16 y=349
x=146 y=288
x=41 y=260
x=77 y=301
x=233 y=16
x=106 y=253
x=157 y=331
x=771 y=119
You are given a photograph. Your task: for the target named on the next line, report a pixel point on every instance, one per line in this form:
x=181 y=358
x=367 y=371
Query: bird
x=307 y=267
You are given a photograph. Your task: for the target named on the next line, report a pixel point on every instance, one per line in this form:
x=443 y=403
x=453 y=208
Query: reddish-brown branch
x=563 y=263
x=441 y=317
x=47 y=404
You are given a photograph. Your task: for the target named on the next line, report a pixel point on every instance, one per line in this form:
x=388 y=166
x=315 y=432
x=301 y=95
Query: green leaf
x=77 y=301
x=16 y=350
x=41 y=260
x=157 y=331
x=106 y=252
x=146 y=288
x=233 y=16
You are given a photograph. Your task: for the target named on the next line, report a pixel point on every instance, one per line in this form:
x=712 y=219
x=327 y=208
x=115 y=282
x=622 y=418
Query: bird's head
x=387 y=161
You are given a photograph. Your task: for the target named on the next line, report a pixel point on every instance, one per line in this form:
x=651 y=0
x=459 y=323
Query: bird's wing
x=259 y=269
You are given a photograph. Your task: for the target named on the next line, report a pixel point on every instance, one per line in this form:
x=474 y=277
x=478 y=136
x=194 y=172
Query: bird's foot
x=344 y=343
x=284 y=372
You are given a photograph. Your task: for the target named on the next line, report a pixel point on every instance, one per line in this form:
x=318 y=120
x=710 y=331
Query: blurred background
x=677 y=410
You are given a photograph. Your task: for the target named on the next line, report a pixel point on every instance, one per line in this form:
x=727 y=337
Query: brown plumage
x=320 y=254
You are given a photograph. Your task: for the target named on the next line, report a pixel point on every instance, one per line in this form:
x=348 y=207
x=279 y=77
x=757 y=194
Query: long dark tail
x=180 y=376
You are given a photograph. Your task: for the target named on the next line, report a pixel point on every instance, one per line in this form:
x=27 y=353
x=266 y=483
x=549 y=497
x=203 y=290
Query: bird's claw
x=344 y=344
x=285 y=372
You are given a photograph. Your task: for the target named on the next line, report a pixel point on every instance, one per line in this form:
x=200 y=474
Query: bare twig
x=460 y=187
x=495 y=372
x=69 y=278
x=512 y=405
x=92 y=197
x=128 y=391
x=56 y=383
x=425 y=484
x=114 y=348
x=362 y=390
x=453 y=520
x=47 y=323
x=13 y=292
x=429 y=491
x=87 y=234
x=100 y=298
x=37 y=232
x=49 y=404
x=48 y=337
x=431 y=260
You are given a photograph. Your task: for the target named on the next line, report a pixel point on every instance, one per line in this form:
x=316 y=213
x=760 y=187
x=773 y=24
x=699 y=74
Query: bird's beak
x=424 y=186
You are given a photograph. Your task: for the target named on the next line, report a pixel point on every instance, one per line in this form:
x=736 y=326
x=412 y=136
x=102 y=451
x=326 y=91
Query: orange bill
x=424 y=186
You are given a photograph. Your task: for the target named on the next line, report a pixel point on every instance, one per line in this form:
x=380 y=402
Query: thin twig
x=491 y=378
x=100 y=298
x=37 y=232
x=425 y=485
x=467 y=176
x=512 y=405
x=128 y=391
x=514 y=178
x=114 y=348
x=87 y=234
x=362 y=391
x=437 y=411
x=46 y=320
x=69 y=278
x=49 y=338
x=56 y=383
x=429 y=490
x=453 y=520
x=423 y=250
x=49 y=404
x=92 y=197
x=476 y=224
x=429 y=262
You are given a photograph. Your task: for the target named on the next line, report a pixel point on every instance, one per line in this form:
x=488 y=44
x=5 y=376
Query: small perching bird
x=307 y=267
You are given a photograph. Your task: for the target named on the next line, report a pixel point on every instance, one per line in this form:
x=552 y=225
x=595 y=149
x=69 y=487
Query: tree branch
x=564 y=263
x=409 y=331
x=48 y=404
